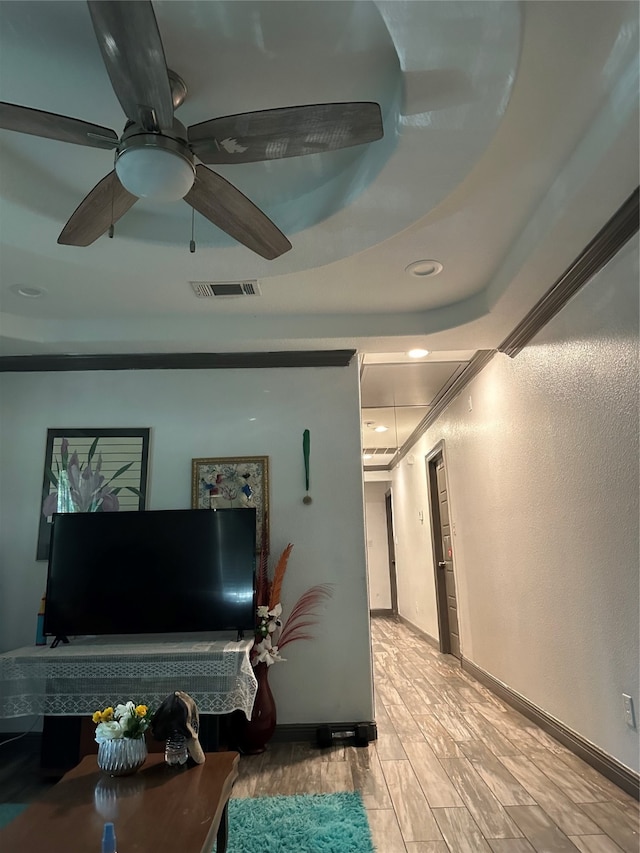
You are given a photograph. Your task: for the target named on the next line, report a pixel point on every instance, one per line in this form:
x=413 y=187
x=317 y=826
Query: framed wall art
x=241 y=481
x=92 y=470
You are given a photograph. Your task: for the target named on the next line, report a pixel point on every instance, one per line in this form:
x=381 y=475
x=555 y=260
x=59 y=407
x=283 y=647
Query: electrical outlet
x=629 y=715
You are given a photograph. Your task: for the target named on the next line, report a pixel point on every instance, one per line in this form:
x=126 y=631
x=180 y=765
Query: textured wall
x=207 y=413
x=542 y=455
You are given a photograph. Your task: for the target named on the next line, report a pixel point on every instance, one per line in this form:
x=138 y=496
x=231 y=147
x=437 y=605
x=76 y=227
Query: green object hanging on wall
x=306 y=450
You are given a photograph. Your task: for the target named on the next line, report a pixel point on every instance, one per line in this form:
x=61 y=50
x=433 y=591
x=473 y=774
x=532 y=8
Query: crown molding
x=177 y=361
x=607 y=242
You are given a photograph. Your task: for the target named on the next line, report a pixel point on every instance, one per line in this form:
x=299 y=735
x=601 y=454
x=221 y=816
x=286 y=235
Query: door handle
x=442 y=564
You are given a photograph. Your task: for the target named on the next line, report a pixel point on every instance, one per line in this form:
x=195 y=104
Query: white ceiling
x=511 y=136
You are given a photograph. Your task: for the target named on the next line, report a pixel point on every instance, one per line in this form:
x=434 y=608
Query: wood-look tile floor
x=454 y=769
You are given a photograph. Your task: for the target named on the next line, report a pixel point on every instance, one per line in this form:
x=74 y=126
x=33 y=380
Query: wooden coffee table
x=157 y=809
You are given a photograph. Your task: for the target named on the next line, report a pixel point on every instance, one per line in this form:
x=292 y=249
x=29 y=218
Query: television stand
x=60 y=638
x=74 y=680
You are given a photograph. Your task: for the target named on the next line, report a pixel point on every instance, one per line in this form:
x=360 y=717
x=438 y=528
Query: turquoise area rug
x=306 y=823
x=10 y=810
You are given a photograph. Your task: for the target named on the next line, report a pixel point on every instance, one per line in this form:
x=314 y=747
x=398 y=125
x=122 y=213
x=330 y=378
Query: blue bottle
x=109 y=839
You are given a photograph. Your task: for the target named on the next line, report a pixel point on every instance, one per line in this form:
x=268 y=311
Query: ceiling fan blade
x=53 y=126
x=285 y=132
x=133 y=54
x=224 y=205
x=105 y=204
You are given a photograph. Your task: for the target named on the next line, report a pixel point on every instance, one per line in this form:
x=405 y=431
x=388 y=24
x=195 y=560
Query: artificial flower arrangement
x=126 y=720
x=272 y=634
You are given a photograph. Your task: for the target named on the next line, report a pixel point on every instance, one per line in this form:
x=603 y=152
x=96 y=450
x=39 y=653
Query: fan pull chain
x=192 y=242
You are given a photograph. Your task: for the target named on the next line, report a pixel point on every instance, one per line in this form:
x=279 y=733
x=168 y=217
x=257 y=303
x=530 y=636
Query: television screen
x=151 y=572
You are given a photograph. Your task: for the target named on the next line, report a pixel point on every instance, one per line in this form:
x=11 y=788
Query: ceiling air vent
x=379 y=451
x=205 y=289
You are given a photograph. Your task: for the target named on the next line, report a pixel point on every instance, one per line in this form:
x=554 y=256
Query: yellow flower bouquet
x=126 y=720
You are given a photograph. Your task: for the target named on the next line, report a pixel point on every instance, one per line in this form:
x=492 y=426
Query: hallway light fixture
x=418 y=353
x=380 y=428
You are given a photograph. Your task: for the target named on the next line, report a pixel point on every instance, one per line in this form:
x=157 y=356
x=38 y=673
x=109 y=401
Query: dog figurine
x=179 y=713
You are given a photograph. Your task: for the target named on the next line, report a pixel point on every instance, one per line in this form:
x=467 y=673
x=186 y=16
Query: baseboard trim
x=604 y=763
x=383 y=611
x=420 y=633
x=306 y=732
x=284 y=733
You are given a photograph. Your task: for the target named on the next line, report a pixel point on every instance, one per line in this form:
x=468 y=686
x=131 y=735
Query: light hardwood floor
x=454 y=769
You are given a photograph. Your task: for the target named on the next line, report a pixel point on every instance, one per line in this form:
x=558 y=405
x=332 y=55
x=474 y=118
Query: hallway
x=454 y=770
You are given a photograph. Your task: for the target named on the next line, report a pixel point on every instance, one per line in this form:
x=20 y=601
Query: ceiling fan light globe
x=155 y=173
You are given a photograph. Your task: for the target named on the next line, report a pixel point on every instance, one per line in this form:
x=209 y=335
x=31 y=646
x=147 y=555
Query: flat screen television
x=151 y=572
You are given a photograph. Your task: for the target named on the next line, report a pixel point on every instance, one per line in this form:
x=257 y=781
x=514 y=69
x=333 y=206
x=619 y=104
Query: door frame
x=391 y=550
x=431 y=460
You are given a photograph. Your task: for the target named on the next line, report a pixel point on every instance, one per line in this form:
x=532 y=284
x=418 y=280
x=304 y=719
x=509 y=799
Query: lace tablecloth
x=94 y=672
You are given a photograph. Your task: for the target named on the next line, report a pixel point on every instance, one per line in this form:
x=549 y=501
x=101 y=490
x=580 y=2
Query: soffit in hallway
x=397 y=392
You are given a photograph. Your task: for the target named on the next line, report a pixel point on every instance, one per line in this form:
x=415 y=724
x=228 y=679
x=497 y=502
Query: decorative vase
x=122 y=756
x=258 y=731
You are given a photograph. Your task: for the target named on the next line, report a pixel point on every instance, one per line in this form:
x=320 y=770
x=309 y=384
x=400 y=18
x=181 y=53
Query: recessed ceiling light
x=424 y=269
x=418 y=353
x=380 y=429
x=28 y=291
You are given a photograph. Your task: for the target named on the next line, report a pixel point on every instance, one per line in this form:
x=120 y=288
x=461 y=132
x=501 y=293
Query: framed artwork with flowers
x=241 y=481
x=92 y=470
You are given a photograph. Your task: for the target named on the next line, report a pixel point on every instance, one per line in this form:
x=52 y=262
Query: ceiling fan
x=156 y=156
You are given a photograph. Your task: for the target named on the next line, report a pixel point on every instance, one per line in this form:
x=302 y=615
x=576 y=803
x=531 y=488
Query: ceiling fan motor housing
x=159 y=166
